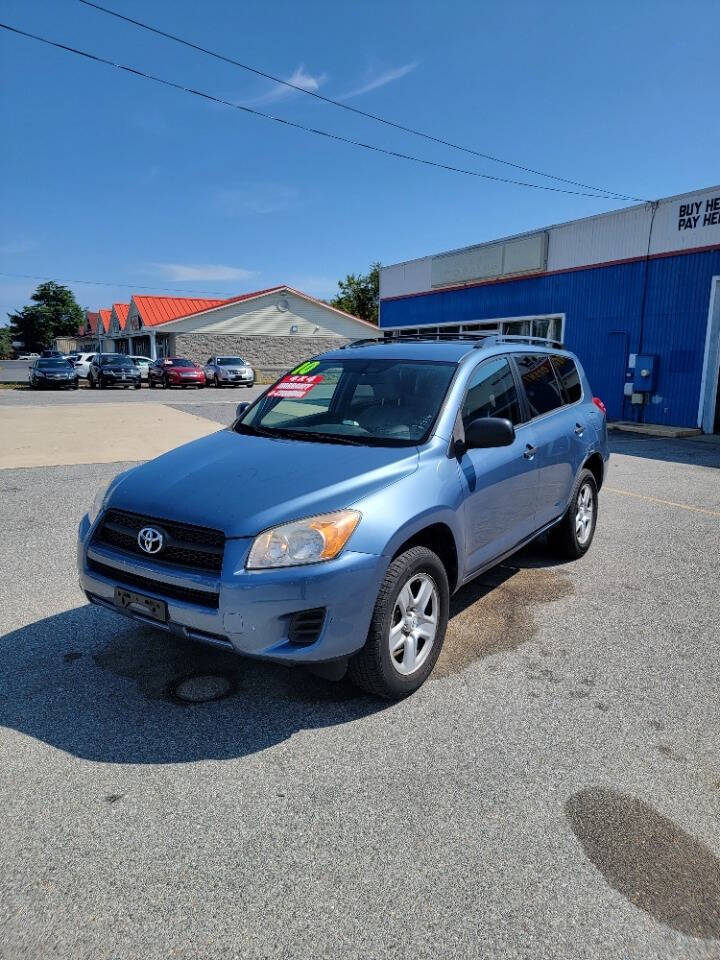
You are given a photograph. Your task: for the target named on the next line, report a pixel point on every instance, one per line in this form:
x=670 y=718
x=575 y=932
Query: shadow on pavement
x=701 y=451
x=103 y=688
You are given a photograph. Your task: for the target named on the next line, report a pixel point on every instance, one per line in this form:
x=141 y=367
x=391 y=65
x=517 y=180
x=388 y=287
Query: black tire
x=101 y=383
x=166 y=383
x=563 y=537
x=372 y=668
x=137 y=386
x=91 y=382
x=75 y=385
x=217 y=382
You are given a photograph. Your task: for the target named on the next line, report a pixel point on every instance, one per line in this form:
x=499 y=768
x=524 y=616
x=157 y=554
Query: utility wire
x=110 y=283
x=345 y=106
x=297 y=126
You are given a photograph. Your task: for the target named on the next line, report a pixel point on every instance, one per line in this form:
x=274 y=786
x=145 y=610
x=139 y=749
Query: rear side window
x=492 y=393
x=569 y=378
x=541 y=385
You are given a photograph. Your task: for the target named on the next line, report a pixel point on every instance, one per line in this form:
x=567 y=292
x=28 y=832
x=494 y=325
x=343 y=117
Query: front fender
x=395 y=514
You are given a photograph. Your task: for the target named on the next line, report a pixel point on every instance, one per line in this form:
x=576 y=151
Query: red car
x=175 y=372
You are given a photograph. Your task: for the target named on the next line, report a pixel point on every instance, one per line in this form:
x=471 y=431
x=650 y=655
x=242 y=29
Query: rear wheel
x=407 y=628
x=91 y=382
x=572 y=537
x=101 y=383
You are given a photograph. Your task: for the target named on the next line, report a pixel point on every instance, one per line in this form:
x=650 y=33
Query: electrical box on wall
x=645 y=373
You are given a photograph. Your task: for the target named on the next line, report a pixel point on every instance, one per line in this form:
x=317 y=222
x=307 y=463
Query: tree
x=6 y=350
x=54 y=313
x=360 y=295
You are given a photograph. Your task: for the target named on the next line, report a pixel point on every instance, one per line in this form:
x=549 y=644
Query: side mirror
x=489 y=432
x=241 y=408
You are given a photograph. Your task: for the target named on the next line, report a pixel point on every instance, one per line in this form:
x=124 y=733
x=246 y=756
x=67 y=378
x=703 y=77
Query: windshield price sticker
x=295 y=387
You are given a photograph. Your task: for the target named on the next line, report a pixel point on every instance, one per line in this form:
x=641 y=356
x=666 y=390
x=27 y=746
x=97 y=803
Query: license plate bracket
x=139 y=603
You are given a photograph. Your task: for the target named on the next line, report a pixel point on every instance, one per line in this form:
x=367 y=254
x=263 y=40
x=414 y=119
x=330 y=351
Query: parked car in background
x=143 y=365
x=53 y=372
x=113 y=370
x=229 y=371
x=28 y=356
x=53 y=353
x=175 y=372
x=81 y=362
x=406 y=469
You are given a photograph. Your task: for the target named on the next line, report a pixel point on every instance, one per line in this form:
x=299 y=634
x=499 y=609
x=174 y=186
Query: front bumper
x=254 y=608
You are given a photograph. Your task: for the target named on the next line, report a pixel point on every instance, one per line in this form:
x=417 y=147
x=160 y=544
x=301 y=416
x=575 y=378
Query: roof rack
x=469 y=335
x=518 y=338
x=478 y=336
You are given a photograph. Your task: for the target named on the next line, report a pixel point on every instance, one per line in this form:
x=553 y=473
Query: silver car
x=229 y=371
x=143 y=365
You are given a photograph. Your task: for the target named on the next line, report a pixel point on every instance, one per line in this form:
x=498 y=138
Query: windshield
x=119 y=359
x=177 y=362
x=353 y=400
x=53 y=363
x=230 y=362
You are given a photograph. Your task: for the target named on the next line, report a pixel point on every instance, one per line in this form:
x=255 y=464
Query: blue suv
x=334 y=519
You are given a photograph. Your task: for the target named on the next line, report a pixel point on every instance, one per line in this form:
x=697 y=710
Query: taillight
x=599 y=404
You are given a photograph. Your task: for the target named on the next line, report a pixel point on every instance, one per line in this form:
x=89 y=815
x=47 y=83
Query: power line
x=297 y=126
x=348 y=107
x=112 y=283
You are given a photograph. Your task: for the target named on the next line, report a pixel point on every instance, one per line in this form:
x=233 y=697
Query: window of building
x=541 y=385
x=569 y=378
x=492 y=393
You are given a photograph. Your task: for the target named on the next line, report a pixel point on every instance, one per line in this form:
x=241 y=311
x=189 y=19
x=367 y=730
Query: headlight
x=303 y=541
x=103 y=494
x=97 y=503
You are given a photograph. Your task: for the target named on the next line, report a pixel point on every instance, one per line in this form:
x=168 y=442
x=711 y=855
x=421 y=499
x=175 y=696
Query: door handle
x=530 y=451
x=579 y=429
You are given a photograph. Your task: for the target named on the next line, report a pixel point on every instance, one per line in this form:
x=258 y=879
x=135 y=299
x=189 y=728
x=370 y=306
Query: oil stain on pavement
x=494 y=614
x=651 y=861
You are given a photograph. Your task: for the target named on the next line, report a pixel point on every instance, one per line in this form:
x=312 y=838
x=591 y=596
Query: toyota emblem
x=150 y=540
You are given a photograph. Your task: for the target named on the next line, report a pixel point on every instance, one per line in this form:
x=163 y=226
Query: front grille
x=202 y=598
x=306 y=625
x=188 y=546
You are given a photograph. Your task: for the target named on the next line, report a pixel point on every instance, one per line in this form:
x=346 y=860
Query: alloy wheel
x=584 y=514
x=413 y=624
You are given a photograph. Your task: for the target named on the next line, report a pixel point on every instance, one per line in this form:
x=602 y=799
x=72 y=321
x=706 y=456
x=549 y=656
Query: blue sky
x=107 y=177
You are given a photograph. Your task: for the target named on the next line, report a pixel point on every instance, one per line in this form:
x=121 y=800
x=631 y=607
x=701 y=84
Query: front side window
x=567 y=372
x=541 y=386
x=366 y=401
x=492 y=393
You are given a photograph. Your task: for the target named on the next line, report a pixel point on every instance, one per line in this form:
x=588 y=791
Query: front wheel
x=151 y=383
x=217 y=382
x=137 y=386
x=101 y=383
x=407 y=629
x=91 y=383
x=572 y=536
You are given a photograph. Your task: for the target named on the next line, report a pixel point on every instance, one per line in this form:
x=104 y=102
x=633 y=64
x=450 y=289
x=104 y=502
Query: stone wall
x=268 y=355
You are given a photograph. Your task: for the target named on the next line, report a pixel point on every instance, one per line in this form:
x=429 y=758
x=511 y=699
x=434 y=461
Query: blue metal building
x=632 y=292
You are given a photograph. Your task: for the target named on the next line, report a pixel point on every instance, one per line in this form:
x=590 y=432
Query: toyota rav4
x=332 y=522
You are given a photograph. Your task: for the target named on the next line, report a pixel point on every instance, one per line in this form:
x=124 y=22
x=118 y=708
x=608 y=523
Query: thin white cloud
x=299 y=78
x=374 y=80
x=255 y=198
x=200 y=271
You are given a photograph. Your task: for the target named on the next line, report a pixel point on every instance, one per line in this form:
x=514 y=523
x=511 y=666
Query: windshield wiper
x=255 y=431
x=314 y=437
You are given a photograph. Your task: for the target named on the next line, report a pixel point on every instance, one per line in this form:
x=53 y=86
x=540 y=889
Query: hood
x=242 y=484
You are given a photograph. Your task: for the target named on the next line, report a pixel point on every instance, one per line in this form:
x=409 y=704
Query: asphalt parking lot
x=553 y=790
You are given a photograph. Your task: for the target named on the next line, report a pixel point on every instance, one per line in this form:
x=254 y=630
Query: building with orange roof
x=271 y=329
